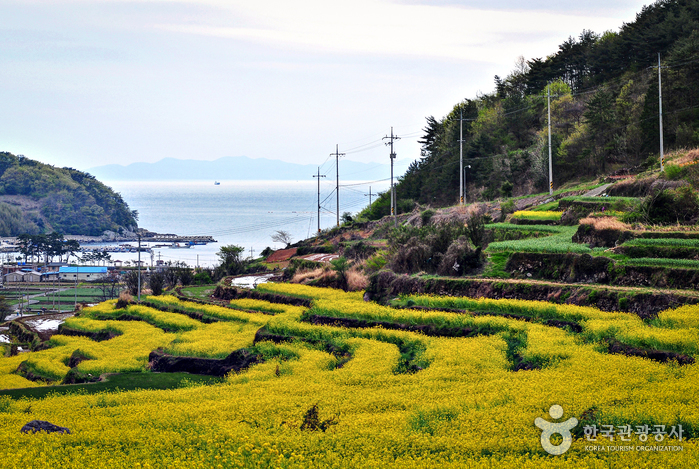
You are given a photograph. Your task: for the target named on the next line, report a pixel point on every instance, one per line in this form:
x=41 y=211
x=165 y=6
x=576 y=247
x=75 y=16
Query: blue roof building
x=82 y=273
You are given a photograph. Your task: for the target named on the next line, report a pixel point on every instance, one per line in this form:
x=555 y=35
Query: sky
x=88 y=83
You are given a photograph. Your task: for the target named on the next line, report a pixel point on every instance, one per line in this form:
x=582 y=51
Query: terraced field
x=427 y=382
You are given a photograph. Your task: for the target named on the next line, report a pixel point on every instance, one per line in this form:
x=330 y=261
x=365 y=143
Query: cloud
x=382 y=27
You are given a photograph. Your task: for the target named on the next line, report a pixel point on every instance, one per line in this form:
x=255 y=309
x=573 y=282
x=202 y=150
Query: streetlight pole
x=461 y=155
x=660 y=104
x=548 y=97
x=463 y=194
x=139 y=267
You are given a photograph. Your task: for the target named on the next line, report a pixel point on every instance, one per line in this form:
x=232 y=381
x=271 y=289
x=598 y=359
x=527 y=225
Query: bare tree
x=109 y=286
x=281 y=236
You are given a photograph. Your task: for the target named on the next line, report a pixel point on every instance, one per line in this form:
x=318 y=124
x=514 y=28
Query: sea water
x=242 y=213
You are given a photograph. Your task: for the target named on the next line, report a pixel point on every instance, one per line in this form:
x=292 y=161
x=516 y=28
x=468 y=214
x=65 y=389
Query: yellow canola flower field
x=466 y=407
x=537 y=215
x=215 y=340
x=675 y=330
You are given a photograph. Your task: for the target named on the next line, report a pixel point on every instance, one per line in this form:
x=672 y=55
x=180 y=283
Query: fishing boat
x=216 y=183
x=180 y=246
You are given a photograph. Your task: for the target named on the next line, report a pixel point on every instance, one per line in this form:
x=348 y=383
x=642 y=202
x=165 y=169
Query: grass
x=495 y=268
x=115 y=382
x=575 y=187
x=661 y=262
x=50 y=306
x=601 y=200
x=201 y=292
x=556 y=244
x=545 y=207
x=82 y=291
x=512 y=226
x=663 y=242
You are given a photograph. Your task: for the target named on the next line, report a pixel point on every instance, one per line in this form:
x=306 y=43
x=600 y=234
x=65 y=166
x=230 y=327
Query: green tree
x=231 y=259
x=202 y=278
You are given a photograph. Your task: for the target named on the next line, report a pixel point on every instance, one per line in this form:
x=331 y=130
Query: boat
x=180 y=246
x=216 y=183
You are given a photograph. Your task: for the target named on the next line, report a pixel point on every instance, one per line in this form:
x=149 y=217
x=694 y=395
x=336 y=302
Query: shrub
x=131 y=281
x=156 y=281
x=668 y=206
x=202 y=278
x=673 y=172
x=412 y=256
x=359 y=250
x=299 y=265
x=506 y=189
x=426 y=216
x=475 y=229
x=185 y=276
x=341 y=266
x=460 y=258
x=506 y=208
x=376 y=262
x=5 y=308
x=124 y=300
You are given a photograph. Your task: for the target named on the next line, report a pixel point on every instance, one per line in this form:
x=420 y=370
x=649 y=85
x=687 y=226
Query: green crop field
x=555 y=244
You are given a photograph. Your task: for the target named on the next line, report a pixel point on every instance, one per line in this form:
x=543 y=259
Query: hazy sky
x=86 y=83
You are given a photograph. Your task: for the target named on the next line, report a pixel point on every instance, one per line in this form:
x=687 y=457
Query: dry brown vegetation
x=605 y=223
x=356 y=280
x=683 y=156
x=304 y=276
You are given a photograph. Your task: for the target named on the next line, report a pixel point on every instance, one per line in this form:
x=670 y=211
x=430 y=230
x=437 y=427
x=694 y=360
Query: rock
x=43 y=426
x=236 y=361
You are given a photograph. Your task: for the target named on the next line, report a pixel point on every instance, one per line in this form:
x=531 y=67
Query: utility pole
x=319 y=176
x=77 y=273
x=461 y=157
x=369 y=194
x=548 y=97
x=337 y=155
x=393 y=189
x=660 y=102
x=250 y=252
x=139 y=267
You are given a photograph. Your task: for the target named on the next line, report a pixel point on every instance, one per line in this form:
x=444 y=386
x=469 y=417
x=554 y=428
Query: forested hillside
x=604 y=114
x=39 y=198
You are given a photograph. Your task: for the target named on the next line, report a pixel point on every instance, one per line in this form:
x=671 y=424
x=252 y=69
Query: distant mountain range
x=240 y=168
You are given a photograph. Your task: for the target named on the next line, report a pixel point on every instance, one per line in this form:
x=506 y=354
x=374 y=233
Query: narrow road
x=597 y=191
